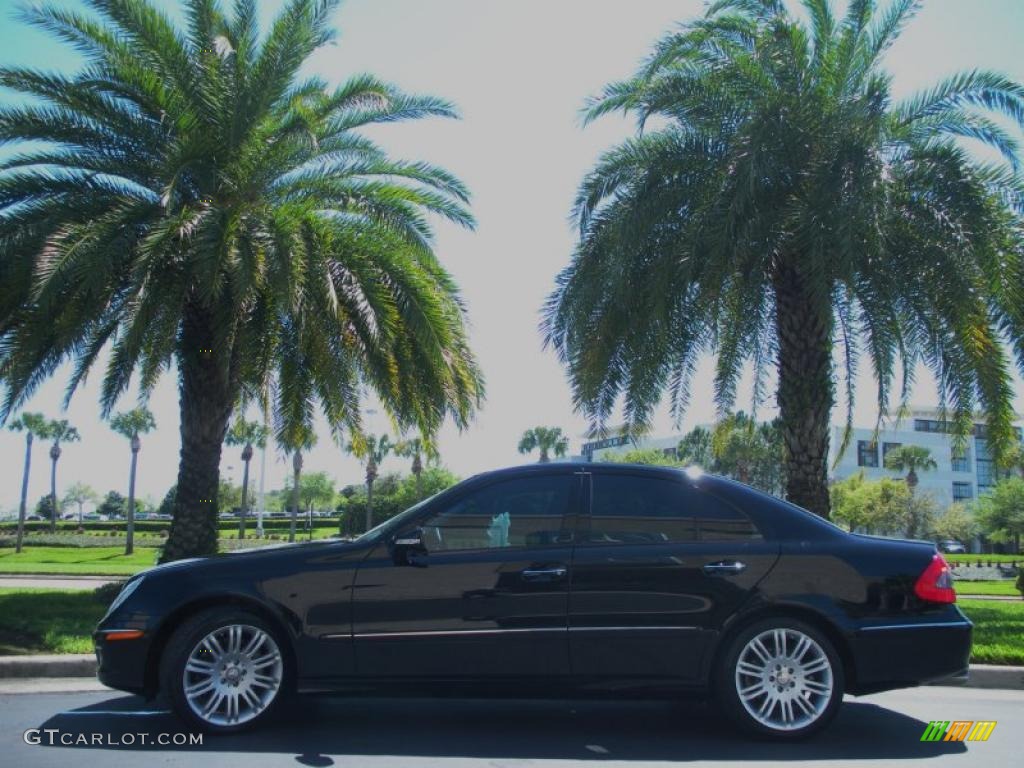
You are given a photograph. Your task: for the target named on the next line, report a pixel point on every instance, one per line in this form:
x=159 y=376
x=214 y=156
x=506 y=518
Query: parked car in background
x=551 y=580
x=952 y=547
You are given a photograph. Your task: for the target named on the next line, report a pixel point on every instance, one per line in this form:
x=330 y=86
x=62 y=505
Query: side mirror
x=407 y=545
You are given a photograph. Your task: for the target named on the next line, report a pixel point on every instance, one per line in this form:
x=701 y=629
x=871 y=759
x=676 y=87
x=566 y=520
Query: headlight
x=124 y=594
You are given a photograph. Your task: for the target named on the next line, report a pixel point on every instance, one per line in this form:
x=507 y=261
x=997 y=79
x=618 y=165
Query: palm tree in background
x=246 y=434
x=910 y=459
x=80 y=494
x=417 y=448
x=373 y=450
x=60 y=432
x=294 y=438
x=187 y=197
x=778 y=203
x=31 y=424
x=548 y=439
x=131 y=424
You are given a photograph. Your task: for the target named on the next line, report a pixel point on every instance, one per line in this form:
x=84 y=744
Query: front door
x=659 y=565
x=487 y=598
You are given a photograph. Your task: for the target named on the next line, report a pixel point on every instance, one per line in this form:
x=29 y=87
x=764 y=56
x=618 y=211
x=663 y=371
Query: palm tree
x=189 y=199
x=247 y=434
x=294 y=440
x=31 y=424
x=131 y=424
x=60 y=432
x=79 y=494
x=909 y=459
x=771 y=209
x=373 y=450
x=547 y=439
x=416 y=448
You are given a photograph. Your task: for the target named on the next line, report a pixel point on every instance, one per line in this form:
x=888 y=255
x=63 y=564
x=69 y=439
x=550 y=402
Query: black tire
x=727 y=682
x=188 y=636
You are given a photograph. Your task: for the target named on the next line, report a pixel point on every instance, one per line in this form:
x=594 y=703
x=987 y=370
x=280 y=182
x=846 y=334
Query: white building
x=959 y=476
x=601 y=450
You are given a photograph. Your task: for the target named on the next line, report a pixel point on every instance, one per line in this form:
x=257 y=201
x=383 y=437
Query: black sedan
x=551 y=580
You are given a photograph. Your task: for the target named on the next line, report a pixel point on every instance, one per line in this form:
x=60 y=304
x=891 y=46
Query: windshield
x=378 y=530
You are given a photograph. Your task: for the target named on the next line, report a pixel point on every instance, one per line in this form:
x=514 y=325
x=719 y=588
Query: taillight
x=936 y=583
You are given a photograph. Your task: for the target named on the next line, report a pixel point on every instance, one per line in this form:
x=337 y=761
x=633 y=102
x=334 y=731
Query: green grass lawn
x=101 y=561
x=48 y=620
x=984 y=558
x=998 y=630
x=1005 y=587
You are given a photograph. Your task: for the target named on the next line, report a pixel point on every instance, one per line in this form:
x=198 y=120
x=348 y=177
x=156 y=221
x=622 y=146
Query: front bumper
x=122 y=664
x=906 y=653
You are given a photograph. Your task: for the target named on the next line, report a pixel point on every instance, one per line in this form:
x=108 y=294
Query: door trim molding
x=496 y=631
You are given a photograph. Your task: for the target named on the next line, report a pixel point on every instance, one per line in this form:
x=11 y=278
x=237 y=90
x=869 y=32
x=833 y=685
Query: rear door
x=659 y=565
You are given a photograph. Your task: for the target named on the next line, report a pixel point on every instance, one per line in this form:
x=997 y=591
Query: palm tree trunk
x=295 y=494
x=806 y=390
x=206 y=396
x=245 y=496
x=53 y=493
x=129 y=546
x=369 y=504
x=419 y=485
x=24 y=493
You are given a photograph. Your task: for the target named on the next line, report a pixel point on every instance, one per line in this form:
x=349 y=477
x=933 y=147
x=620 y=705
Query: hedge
x=156 y=526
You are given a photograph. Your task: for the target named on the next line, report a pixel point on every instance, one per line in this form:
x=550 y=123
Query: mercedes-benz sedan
x=551 y=580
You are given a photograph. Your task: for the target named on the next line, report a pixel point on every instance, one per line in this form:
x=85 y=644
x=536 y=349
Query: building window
x=962 y=491
x=886 y=447
x=867 y=453
x=985 y=467
x=960 y=462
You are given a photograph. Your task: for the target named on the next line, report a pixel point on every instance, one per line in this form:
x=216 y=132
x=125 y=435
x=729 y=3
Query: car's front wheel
x=224 y=670
x=780 y=678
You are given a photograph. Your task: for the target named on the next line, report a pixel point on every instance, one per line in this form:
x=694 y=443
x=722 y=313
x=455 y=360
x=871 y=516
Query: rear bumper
x=907 y=653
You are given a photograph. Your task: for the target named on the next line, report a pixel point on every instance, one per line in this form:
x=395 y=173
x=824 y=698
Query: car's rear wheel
x=781 y=678
x=224 y=670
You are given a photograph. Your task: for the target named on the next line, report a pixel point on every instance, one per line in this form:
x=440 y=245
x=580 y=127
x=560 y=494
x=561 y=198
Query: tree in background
x=546 y=439
x=294 y=437
x=416 y=449
x=1000 y=512
x=31 y=424
x=44 y=507
x=372 y=450
x=167 y=503
x=392 y=494
x=956 y=523
x=60 y=431
x=750 y=452
x=879 y=506
x=910 y=459
x=80 y=494
x=229 y=496
x=778 y=204
x=246 y=434
x=316 y=492
x=650 y=456
x=113 y=507
x=696 y=448
x=131 y=424
x=191 y=199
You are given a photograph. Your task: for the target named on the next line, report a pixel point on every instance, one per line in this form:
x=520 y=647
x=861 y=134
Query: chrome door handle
x=545 y=574
x=725 y=567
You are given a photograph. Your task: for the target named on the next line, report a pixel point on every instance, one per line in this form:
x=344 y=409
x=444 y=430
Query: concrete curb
x=84 y=665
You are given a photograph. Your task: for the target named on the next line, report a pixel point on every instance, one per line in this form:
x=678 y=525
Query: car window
x=629 y=509
x=526 y=512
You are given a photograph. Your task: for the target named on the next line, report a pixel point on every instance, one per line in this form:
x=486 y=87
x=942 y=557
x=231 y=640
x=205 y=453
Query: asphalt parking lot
x=325 y=731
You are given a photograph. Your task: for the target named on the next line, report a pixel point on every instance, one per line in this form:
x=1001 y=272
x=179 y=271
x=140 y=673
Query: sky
x=519 y=71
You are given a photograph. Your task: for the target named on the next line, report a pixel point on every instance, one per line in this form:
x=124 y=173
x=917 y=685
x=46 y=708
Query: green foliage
x=44 y=507
x=1000 y=512
x=229 y=496
x=878 y=506
x=244 y=433
x=133 y=423
x=392 y=494
x=956 y=522
x=113 y=505
x=696 y=448
x=547 y=439
x=33 y=423
x=167 y=504
x=651 y=456
x=777 y=174
x=749 y=452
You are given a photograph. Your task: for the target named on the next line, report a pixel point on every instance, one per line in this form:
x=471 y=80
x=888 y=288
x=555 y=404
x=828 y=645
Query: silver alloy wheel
x=784 y=679
x=232 y=675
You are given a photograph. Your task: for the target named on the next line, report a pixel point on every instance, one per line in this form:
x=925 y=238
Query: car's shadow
x=313 y=728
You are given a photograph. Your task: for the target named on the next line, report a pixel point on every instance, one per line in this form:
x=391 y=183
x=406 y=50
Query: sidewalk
x=36 y=581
